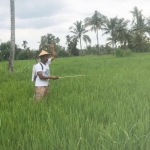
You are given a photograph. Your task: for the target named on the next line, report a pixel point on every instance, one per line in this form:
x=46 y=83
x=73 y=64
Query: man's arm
x=53 y=52
x=41 y=76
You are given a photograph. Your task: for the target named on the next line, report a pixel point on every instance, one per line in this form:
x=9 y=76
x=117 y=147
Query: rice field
x=107 y=109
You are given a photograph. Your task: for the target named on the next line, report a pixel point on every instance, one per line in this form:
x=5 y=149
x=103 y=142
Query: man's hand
x=55 y=78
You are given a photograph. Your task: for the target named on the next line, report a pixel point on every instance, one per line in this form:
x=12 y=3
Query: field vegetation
x=108 y=108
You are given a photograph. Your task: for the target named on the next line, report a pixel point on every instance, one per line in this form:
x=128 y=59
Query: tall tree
x=72 y=46
x=68 y=39
x=57 y=40
x=43 y=41
x=79 y=32
x=123 y=32
x=111 y=28
x=24 y=44
x=117 y=28
x=12 y=48
x=140 y=26
x=140 y=43
x=138 y=21
x=51 y=38
x=136 y=13
x=96 y=22
x=47 y=39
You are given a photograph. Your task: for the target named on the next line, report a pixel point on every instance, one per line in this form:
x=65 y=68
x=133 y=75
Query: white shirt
x=45 y=71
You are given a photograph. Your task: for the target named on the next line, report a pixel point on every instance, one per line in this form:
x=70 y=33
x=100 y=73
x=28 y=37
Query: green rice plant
x=107 y=108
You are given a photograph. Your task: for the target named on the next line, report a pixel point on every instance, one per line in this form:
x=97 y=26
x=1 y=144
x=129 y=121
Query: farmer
x=43 y=74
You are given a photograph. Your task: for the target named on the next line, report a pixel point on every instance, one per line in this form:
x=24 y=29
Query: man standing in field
x=43 y=74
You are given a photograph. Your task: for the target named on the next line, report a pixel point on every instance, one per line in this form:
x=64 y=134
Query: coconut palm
x=50 y=38
x=24 y=44
x=148 y=25
x=68 y=39
x=57 y=40
x=45 y=40
x=136 y=14
x=139 y=42
x=110 y=41
x=96 y=22
x=139 y=29
x=79 y=32
x=12 y=48
x=122 y=32
x=111 y=29
x=72 y=45
x=139 y=21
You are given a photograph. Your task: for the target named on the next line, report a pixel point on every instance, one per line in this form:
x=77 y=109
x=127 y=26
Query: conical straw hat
x=43 y=53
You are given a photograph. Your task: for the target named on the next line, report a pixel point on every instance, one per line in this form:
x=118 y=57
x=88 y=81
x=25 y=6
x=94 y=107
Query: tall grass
x=107 y=109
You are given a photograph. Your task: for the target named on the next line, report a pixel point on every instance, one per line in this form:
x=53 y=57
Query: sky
x=35 y=18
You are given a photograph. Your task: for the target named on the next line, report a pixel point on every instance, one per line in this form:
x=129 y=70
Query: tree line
x=25 y=52
x=123 y=34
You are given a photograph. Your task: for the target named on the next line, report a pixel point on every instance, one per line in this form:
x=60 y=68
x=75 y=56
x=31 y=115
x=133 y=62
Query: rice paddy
x=106 y=109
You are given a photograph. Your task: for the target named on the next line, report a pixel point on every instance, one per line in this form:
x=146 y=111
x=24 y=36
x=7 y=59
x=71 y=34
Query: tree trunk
x=97 y=42
x=124 y=46
x=12 y=47
x=113 y=47
x=97 y=37
x=81 y=47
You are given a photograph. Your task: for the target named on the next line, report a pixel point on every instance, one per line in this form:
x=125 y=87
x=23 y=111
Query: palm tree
x=111 y=28
x=148 y=25
x=139 y=42
x=96 y=22
x=117 y=28
x=57 y=40
x=45 y=40
x=12 y=47
x=136 y=14
x=110 y=41
x=24 y=44
x=79 y=33
x=72 y=46
x=68 y=39
x=139 y=29
x=50 y=38
x=122 y=31
x=139 y=21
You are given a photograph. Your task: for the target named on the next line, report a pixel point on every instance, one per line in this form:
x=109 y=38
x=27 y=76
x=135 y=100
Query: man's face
x=44 y=58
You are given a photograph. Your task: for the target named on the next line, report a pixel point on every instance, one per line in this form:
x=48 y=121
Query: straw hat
x=43 y=53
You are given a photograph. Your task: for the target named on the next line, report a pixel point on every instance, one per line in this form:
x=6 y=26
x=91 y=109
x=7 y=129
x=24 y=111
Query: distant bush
x=122 y=53
x=62 y=53
x=128 y=52
x=119 y=52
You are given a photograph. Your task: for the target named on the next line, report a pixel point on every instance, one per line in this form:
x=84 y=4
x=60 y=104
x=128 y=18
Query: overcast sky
x=35 y=18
